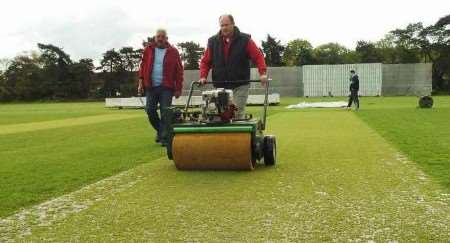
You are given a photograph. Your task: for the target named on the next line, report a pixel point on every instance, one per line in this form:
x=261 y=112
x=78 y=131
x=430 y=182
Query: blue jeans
x=162 y=96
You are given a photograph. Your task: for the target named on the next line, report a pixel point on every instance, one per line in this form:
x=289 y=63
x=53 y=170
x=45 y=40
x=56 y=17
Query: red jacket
x=252 y=51
x=172 y=68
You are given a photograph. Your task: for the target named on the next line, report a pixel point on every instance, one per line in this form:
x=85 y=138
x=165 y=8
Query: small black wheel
x=270 y=150
x=425 y=102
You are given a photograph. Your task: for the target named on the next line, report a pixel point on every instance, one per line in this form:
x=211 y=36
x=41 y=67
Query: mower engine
x=218 y=105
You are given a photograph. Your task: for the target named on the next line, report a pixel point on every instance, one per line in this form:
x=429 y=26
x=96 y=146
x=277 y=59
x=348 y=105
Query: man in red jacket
x=228 y=54
x=161 y=76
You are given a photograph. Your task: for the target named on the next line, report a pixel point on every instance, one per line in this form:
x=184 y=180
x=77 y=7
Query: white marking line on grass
x=34 y=126
x=20 y=225
x=416 y=194
x=422 y=178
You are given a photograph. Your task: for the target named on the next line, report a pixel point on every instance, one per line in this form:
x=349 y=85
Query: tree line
x=50 y=73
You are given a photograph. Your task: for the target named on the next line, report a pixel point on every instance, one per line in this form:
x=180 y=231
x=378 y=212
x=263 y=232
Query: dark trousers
x=353 y=98
x=162 y=96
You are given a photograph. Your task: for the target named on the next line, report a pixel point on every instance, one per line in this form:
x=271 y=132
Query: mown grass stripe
x=38 y=165
x=34 y=126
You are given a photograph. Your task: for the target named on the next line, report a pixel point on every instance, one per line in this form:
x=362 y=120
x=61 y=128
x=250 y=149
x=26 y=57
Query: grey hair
x=227 y=15
x=161 y=30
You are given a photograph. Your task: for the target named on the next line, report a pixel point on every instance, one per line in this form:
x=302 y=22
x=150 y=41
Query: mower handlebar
x=266 y=94
x=230 y=82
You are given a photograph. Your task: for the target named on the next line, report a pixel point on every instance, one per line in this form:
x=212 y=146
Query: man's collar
x=230 y=37
x=153 y=45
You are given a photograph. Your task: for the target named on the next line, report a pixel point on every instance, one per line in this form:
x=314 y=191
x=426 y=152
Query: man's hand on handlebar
x=202 y=81
x=140 y=88
x=263 y=79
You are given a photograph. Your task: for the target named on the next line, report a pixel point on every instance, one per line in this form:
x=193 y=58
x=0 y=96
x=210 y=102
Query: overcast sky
x=86 y=29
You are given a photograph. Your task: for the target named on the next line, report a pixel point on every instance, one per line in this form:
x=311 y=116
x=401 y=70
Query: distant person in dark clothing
x=354 y=88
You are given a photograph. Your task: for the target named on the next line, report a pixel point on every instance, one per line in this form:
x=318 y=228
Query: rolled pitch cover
x=212 y=151
x=426 y=102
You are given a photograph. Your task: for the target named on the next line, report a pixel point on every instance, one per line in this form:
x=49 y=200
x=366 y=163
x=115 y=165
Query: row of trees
x=50 y=73
x=413 y=44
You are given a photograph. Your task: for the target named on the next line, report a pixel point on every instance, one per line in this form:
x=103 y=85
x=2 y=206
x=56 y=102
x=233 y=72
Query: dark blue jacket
x=354 y=83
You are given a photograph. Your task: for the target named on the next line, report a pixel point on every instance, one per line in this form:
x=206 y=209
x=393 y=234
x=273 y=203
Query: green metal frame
x=216 y=129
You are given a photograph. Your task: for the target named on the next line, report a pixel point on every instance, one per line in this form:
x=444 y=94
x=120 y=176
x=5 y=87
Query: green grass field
x=422 y=134
x=69 y=146
x=378 y=174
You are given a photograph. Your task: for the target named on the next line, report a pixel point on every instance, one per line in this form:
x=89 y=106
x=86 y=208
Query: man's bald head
x=227 y=16
x=226 y=22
